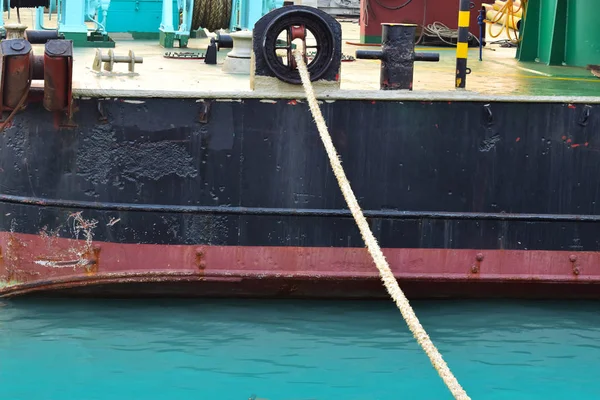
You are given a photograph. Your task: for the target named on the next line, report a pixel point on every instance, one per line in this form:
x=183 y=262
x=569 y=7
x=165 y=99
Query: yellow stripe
x=462 y=50
x=463 y=19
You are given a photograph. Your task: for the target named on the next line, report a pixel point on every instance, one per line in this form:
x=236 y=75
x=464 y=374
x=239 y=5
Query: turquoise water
x=231 y=350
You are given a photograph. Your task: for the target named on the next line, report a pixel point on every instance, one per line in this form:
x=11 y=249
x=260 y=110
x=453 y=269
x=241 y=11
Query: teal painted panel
x=141 y=16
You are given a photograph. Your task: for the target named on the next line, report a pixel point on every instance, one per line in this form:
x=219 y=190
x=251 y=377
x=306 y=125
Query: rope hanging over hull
x=385 y=272
x=211 y=14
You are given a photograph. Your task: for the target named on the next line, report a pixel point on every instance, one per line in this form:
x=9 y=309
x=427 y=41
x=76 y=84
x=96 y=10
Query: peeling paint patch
x=229 y=100
x=102 y=160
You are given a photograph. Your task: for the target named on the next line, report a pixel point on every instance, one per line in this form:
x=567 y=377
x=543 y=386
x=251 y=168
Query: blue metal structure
x=245 y=13
x=171 y=19
x=72 y=16
x=168 y=33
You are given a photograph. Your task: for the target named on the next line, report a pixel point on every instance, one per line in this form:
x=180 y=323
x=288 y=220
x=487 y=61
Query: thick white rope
x=384 y=269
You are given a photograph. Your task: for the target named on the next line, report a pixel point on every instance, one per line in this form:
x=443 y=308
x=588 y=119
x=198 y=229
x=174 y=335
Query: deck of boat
x=499 y=76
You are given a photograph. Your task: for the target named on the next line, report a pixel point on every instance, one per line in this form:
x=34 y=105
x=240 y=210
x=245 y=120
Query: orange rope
x=507 y=11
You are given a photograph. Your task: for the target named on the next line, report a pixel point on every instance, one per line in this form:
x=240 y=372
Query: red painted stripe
x=33 y=262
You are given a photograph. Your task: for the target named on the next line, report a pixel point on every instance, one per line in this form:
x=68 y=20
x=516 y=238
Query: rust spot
x=572 y=106
x=200 y=260
x=475 y=268
x=564 y=138
x=575 y=145
x=372 y=101
x=2 y=266
x=292 y=102
x=518 y=139
x=586 y=144
x=204 y=112
x=12 y=255
x=93 y=257
x=569 y=140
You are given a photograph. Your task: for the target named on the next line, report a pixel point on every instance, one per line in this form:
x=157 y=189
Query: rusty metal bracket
x=20 y=67
x=397 y=56
x=15 y=76
x=204 y=113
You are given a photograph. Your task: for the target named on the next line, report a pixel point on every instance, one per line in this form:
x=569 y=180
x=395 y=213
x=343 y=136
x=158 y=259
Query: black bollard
x=397 y=56
x=217 y=43
x=42 y=36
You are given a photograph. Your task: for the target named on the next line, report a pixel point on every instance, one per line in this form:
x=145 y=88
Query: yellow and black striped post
x=462 y=45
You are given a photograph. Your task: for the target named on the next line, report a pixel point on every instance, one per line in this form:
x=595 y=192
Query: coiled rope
x=445 y=34
x=385 y=272
x=507 y=13
x=211 y=14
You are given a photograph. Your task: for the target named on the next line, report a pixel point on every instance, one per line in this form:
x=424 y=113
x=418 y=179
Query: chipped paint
x=64 y=264
x=76 y=255
x=134 y=101
x=113 y=221
x=269 y=101
x=103 y=161
x=9 y=283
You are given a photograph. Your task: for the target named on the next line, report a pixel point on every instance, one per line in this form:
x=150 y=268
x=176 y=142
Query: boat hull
x=225 y=197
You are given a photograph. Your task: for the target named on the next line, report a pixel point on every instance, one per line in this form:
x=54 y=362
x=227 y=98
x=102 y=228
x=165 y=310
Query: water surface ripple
x=293 y=350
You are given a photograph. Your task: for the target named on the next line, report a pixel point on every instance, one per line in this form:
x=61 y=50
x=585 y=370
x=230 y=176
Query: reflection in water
x=217 y=349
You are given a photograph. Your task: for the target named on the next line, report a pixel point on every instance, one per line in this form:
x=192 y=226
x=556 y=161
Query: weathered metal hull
x=236 y=197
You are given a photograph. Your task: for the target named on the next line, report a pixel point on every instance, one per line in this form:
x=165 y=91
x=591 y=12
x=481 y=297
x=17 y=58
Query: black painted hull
x=444 y=182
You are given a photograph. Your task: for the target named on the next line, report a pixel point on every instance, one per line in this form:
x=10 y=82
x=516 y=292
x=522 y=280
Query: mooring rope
x=373 y=247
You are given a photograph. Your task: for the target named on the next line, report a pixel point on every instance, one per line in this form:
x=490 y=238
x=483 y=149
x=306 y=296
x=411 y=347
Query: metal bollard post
x=481 y=23
x=462 y=45
x=397 y=56
x=217 y=43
